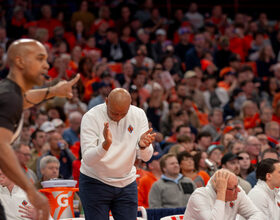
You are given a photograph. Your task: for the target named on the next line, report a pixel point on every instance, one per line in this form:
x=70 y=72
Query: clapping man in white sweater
x=111 y=135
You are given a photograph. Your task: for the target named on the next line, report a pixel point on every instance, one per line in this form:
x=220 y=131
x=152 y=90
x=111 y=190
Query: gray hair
x=74 y=115
x=17 y=145
x=46 y=160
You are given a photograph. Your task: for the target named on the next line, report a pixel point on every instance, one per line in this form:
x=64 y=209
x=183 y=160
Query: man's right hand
x=40 y=203
x=107 y=137
x=220 y=183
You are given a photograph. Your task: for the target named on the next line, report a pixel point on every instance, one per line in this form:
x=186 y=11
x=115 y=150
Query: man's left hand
x=147 y=138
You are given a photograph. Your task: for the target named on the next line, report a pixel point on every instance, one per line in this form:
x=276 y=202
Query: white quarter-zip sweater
x=266 y=200
x=114 y=167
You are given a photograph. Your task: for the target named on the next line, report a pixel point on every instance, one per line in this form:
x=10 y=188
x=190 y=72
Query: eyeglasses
x=256 y=145
x=233 y=189
x=25 y=154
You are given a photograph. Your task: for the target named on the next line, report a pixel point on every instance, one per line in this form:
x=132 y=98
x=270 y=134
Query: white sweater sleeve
x=247 y=209
x=198 y=208
x=260 y=202
x=146 y=154
x=91 y=144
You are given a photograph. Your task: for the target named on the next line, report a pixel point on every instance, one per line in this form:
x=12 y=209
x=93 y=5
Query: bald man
x=221 y=199
x=112 y=134
x=28 y=65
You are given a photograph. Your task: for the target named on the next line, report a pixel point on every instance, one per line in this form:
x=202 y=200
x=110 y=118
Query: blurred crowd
x=209 y=85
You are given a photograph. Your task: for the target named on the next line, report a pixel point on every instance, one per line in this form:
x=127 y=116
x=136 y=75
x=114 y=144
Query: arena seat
x=173 y=217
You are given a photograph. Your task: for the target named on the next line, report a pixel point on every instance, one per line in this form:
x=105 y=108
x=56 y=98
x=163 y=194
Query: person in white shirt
x=221 y=199
x=15 y=201
x=111 y=136
x=265 y=194
x=12 y=198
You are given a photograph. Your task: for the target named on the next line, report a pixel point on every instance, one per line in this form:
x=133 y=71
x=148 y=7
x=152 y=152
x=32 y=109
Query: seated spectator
x=104 y=14
x=25 y=134
x=186 y=142
x=223 y=54
x=214 y=96
x=49 y=167
x=187 y=168
x=227 y=138
x=38 y=139
x=188 y=106
x=272 y=131
x=115 y=49
x=194 y=17
x=174 y=108
x=195 y=54
x=176 y=149
x=250 y=115
x=59 y=148
x=59 y=125
x=221 y=199
x=14 y=200
x=179 y=130
x=23 y=153
x=204 y=140
x=268 y=153
x=184 y=42
x=250 y=90
x=236 y=146
x=269 y=89
x=245 y=164
x=146 y=182
x=103 y=91
x=158 y=47
x=265 y=61
x=83 y=15
x=171 y=64
x=192 y=90
x=156 y=106
x=125 y=17
x=15 y=27
x=215 y=124
x=141 y=60
x=47 y=21
x=230 y=161
x=263 y=194
x=71 y=134
x=253 y=147
x=215 y=154
x=200 y=165
x=171 y=183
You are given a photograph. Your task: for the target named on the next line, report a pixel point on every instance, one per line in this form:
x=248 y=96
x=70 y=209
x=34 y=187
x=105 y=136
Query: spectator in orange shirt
x=250 y=114
x=187 y=168
x=146 y=182
x=47 y=21
x=229 y=81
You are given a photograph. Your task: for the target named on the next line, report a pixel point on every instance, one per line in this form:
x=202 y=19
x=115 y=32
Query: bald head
x=118 y=103
x=231 y=177
x=232 y=189
x=20 y=48
x=27 y=59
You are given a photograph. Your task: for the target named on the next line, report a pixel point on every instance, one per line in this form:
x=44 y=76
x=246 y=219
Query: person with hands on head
x=221 y=199
x=112 y=135
x=27 y=60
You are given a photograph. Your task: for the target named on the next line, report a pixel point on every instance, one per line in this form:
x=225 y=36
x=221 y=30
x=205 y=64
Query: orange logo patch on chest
x=130 y=129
